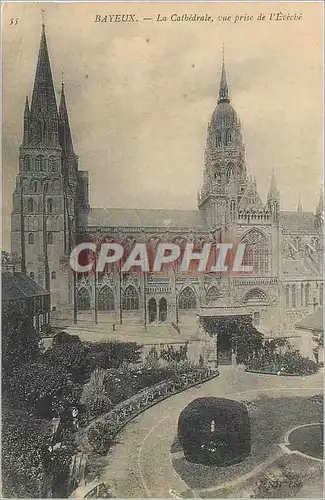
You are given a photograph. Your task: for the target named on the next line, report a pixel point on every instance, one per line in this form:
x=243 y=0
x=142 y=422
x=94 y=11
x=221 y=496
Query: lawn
x=270 y=419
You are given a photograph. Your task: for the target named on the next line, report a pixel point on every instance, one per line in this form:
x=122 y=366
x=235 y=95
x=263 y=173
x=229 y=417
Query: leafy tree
x=94 y=395
x=69 y=353
x=113 y=354
x=23 y=438
x=20 y=340
x=43 y=388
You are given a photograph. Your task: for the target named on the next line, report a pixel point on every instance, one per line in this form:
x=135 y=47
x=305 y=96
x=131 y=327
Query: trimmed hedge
x=215 y=431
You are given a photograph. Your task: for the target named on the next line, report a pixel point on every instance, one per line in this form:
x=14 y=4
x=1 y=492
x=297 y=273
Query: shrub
x=290 y=362
x=101 y=436
x=278 y=483
x=94 y=396
x=214 y=431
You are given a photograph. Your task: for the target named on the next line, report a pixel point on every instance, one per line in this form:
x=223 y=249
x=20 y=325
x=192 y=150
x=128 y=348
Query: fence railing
x=114 y=421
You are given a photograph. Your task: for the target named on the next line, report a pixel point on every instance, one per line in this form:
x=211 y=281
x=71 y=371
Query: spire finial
x=299 y=206
x=43 y=18
x=62 y=80
x=273 y=191
x=223 y=88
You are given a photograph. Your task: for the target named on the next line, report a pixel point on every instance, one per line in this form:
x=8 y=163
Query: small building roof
x=19 y=286
x=312 y=322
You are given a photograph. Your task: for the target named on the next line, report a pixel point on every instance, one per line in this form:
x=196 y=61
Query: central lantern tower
x=225 y=176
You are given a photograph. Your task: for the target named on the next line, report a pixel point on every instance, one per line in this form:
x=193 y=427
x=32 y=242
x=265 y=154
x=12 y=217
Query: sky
x=140 y=96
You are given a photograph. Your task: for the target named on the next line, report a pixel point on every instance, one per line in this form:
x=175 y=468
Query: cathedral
x=51 y=214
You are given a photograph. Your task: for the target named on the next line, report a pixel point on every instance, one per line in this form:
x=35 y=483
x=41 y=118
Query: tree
x=69 y=353
x=113 y=354
x=20 y=340
x=43 y=388
x=23 y=438
x=94 y=395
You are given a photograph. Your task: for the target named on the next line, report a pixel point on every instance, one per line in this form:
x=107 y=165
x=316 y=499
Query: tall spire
x=43 y=100
x=299 y=206
x=26 y=111
x=64 y=126
x=273 y=191
x=320 y=206
x=223 y=88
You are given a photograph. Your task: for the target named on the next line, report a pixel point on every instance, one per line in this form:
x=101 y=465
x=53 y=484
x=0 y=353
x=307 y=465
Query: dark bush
x=215 y=431
x=290 y=362
x=101 y=437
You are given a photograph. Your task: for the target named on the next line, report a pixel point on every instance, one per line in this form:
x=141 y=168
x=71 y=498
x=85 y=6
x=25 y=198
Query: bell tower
x=225 y=177
x=43 y=216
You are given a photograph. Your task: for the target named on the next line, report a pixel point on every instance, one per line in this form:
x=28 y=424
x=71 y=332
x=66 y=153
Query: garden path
x=140 y=463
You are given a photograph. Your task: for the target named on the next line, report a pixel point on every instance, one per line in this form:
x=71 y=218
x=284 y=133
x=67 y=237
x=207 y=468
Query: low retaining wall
x=279 y=373
x=126 y=411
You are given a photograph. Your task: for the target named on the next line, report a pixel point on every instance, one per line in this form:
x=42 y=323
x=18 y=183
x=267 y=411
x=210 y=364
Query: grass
x=270 y=419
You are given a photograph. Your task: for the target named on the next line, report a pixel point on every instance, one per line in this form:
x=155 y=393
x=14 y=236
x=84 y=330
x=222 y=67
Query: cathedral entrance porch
x=230 y=332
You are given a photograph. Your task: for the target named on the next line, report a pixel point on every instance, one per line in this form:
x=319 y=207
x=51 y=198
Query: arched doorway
x=162 y=310
x=152 y=310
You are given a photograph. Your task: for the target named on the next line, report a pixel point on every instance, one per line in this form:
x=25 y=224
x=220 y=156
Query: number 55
x=14 y=21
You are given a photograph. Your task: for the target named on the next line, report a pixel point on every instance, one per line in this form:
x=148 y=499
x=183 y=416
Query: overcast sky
x=140 y=96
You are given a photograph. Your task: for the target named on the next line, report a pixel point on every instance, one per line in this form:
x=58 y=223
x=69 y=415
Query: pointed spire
x=43 y=100
x=64 y=126
x=273 y=191
x=26 y=111
x=223 y=88
x=320 y=206
x=299 y=206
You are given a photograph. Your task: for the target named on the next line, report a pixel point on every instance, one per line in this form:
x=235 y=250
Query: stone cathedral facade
x=51 y=213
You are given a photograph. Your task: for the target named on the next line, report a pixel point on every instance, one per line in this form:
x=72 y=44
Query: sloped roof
x=124 y=217
x=299 y=267
x=299 y=221
x=18 y=286
x=312 y=322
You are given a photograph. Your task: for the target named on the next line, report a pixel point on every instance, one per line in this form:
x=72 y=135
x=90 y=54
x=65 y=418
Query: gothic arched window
x=287 y=296
x=30 y=205
x=39 y=164
x=32 y=275
x=34 y=186
x=106 y=300
x=83 y=300
x=27 y=163
x=228 y=137
x=52 y=164
x=294 y=296
x=49 y=205
x=302 y=295
x=213 y=295
x=53 y=275
x=50 y=238
x=130 y=301
x=256 y=252
x=31 y=239
x=187 y=299
x=255 y=295
x=218 y=138
x=45 y=187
